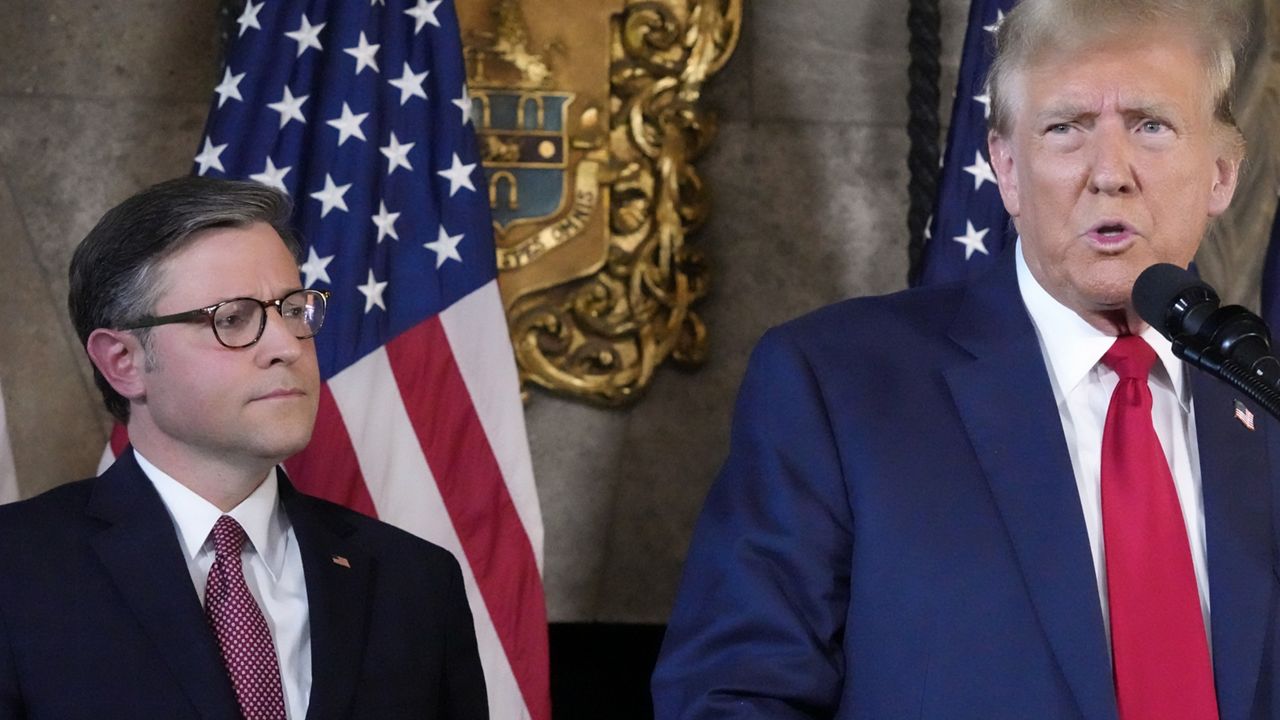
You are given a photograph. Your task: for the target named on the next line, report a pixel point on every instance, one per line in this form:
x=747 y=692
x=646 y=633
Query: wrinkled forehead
x=218 y=263
x=1158 y=69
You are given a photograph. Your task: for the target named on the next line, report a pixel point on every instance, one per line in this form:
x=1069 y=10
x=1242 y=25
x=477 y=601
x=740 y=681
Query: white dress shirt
x=272 y=568
x=1082 y=387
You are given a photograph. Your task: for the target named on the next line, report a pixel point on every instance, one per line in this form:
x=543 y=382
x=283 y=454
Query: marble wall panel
x=70 y=159
x=829 y=61
x=84 y=49
x=53 y=419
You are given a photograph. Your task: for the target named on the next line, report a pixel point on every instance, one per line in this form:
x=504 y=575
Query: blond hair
x=1034 y=26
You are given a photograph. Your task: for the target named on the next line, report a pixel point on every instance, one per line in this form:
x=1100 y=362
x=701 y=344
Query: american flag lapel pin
x=1244 y=415
x=339 y=560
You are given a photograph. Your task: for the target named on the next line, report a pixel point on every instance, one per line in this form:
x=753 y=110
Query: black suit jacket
x=99 y=619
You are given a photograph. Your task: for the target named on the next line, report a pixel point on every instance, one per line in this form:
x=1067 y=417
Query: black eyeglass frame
x=210 y=311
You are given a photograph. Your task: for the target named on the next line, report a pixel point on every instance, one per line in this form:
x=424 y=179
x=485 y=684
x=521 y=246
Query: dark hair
x=113 y=271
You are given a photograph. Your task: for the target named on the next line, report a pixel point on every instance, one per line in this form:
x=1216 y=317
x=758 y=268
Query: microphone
x=1229 y=341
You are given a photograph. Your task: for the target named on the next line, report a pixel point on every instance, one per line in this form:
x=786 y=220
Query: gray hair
x=1034 y=25
x=113 y=273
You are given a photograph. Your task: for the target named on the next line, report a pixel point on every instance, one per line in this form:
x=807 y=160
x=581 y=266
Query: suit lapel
x=141 y=553
x=339 y=577
x=1234 y=480
x=1006 y=404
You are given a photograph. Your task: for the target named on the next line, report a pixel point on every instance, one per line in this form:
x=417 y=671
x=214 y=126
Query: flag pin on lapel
x=1243 y=414
x=339 y=560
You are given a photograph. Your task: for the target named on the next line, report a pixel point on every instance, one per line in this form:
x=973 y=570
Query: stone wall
x=98 y=100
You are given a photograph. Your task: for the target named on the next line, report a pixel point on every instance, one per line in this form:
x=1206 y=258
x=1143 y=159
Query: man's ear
x=119 y=356
x=1006 y=173
x=1226 y=176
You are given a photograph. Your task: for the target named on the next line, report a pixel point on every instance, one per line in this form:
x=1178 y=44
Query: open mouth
x=1111 y=233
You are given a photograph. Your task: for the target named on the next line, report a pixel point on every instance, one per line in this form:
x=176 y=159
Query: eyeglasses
x=239 y=322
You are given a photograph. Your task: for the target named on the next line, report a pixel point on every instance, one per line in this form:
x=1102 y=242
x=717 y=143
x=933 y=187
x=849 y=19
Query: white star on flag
x=972 y=241
x=272 y=176
x=963 y=201
x=993 y=28
x=249 y=18
x=424 y=12
x=410 y=84
x=208 y=157
x=981 y=171
x=348 y=125
x=289 y=107
x=464 y=104
x=445 y=247
x=364 y=53
x=307 y=36
x=386 y=222
x=397 y=154
x=229 y=87
x=458 y=175
x=372 y=292
x=331 y=196
x=314 y=268
x=985 y=99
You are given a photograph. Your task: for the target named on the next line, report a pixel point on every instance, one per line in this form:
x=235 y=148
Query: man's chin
x=1110 y=285
x=277 y=447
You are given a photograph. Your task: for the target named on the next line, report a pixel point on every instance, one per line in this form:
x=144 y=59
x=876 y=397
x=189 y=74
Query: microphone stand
x=1256 y=374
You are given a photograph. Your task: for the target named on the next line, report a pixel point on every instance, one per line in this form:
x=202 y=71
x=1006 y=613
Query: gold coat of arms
x=589 y=126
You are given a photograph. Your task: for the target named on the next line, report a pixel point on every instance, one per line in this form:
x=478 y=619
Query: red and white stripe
x=8 y=474
x=427 y=433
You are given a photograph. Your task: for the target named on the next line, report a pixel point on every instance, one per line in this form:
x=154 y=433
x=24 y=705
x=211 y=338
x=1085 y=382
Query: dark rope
x=923 y=127
x=229 y=12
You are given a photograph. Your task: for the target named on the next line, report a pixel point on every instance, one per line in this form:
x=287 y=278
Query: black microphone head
x=1164 y=293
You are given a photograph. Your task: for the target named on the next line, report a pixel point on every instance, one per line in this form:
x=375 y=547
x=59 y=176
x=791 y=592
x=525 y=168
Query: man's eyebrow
x=1149 y=109
x=279 y=295
x=1072 y=111
x=1064 y=111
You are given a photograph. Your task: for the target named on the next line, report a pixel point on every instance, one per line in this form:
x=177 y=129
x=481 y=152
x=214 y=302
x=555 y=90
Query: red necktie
x=1160 y=655
x=241 y=629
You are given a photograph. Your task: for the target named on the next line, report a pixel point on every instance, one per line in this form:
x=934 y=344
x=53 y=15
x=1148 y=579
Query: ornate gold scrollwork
x=623 y=304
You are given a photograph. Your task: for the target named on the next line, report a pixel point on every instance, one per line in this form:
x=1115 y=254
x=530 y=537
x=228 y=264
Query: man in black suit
x=190 y=580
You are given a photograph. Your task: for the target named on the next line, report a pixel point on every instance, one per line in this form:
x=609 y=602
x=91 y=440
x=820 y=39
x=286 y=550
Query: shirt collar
x=259 y=514
x=1073 y=347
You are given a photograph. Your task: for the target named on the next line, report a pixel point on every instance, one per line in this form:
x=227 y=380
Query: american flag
x=1244 y=415
x=970 y=226
x=359 y=111
x=8 y=475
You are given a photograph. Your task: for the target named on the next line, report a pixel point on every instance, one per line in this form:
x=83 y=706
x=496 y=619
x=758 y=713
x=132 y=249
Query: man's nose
x=1111 y=172
x=278 y=343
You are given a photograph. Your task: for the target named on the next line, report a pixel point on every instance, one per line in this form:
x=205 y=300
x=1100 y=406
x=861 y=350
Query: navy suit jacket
x=897 y=531
x=99 y=619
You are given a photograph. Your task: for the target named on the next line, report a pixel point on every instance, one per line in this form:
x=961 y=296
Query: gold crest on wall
x=588 y=122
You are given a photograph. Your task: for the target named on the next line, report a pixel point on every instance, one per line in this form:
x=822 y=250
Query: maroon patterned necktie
x=240 y=628
x=1161 y=657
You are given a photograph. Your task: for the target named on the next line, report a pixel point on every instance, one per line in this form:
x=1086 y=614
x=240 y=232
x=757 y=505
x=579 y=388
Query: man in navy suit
x=190 y=580
x=913 y=520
